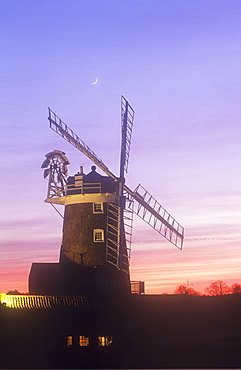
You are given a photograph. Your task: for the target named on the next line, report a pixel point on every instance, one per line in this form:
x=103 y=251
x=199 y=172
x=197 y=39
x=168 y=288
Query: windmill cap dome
x=93 y=168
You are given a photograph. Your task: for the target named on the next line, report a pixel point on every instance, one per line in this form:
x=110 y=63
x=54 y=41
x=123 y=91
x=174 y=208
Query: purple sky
x=177 y=62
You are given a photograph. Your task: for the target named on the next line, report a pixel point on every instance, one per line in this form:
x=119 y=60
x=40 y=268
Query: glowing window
x=98 y=235
x=69 y=340
x=105 y=340
x=98 y=208
x=84 y=341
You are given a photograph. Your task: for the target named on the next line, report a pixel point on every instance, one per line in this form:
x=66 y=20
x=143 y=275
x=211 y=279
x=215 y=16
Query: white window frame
x=96 y=209
x=98 y=235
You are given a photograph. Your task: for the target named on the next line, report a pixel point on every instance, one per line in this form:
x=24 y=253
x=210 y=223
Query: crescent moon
x=94 y=83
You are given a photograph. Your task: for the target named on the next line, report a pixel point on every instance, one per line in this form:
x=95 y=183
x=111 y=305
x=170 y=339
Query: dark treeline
x=216 y=288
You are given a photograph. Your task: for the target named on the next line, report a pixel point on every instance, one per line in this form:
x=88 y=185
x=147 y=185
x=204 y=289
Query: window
x=105 y=340
x=98 y=235
x=84 y=341
x=98 y=208
x=69 y=340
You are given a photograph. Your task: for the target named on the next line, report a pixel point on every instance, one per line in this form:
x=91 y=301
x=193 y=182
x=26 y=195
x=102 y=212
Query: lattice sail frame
x=151 y=211
x=127 y=118
x=113 y=230
x=57 y=125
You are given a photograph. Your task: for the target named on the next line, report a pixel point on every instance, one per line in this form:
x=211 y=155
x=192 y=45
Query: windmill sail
x=149 y=210
x=127 y=118
x=57 y=125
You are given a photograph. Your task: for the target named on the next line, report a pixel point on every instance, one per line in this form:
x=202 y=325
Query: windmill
x=110 y=201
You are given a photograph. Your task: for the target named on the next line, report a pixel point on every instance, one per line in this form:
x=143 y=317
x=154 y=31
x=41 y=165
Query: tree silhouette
x=183 y=289
x=236 y=288
x=14 y=292
x=218 y=288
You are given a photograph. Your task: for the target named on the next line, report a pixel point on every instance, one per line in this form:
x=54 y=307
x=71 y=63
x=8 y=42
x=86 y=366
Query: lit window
x=84 y=341
x=69 y=340
x=98 y=208
x=98 y=235
x=105 y=340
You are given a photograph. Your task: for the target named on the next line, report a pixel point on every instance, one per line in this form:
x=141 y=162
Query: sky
x=177 y=62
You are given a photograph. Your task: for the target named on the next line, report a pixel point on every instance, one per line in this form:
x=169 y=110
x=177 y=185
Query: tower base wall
x=74 y=279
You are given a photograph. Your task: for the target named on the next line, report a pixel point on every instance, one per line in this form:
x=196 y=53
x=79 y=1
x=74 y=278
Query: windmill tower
x=97 y=227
